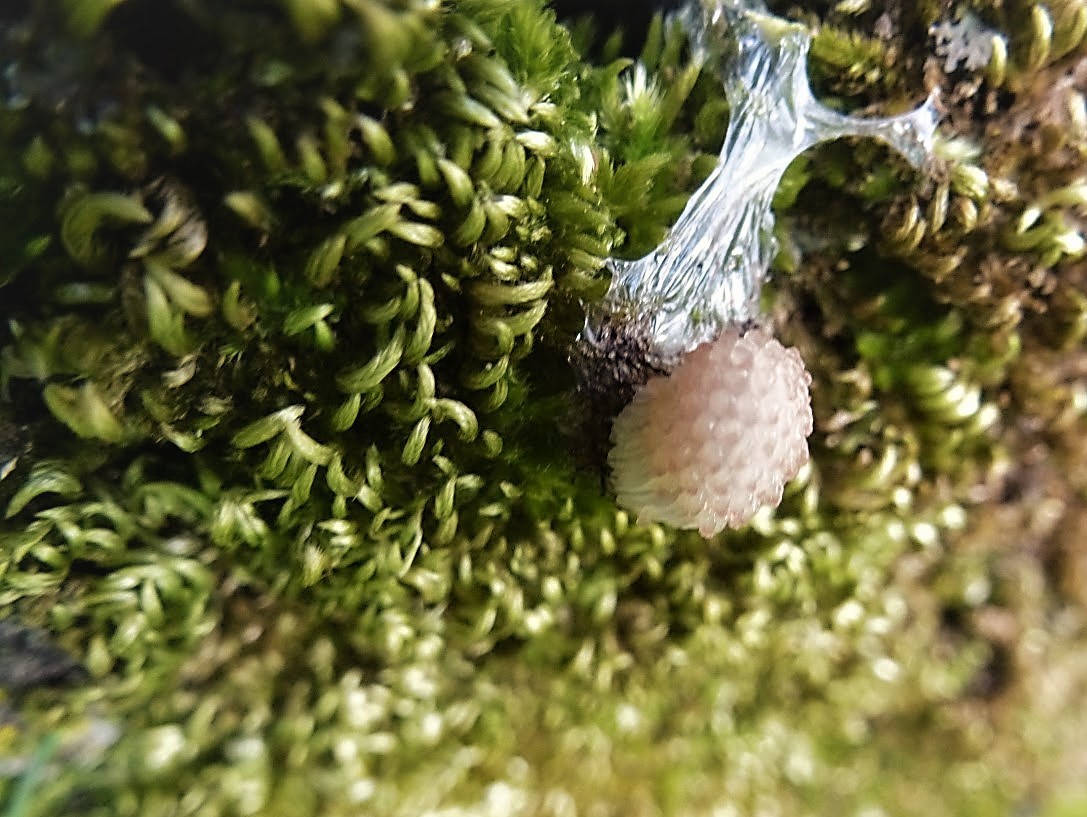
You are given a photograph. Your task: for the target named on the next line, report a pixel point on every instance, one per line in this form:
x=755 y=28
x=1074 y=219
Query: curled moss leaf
x=86 y=214
x=306 y=447
x=423 y=235
x=253 y=210
x=324 y=260
x=165 y=321
x=459 y=413
x=168 y=128
x=268 y=427
x=45 y=478
x=377 y=369
x=302 y=319
x=358 y=231
x=84 y=411
x=187 y=296
x=504 y=295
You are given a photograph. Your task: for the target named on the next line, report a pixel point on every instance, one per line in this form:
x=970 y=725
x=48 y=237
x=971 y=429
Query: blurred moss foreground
x=290 y=451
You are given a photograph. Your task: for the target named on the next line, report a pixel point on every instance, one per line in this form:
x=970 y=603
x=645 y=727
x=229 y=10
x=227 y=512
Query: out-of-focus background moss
x=297 y=518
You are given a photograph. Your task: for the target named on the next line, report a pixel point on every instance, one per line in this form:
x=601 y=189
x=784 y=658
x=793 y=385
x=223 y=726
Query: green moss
x=289 y=451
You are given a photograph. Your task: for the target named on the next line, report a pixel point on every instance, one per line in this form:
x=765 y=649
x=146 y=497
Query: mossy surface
x=291 y=455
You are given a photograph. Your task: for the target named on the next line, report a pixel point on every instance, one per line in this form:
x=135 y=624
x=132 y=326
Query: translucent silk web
x=708 y=272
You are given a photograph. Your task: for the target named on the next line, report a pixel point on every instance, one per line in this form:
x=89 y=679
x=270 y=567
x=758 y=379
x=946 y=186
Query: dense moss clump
x=296 y=518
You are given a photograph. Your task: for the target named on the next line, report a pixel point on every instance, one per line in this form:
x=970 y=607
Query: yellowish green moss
x=289 y=443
